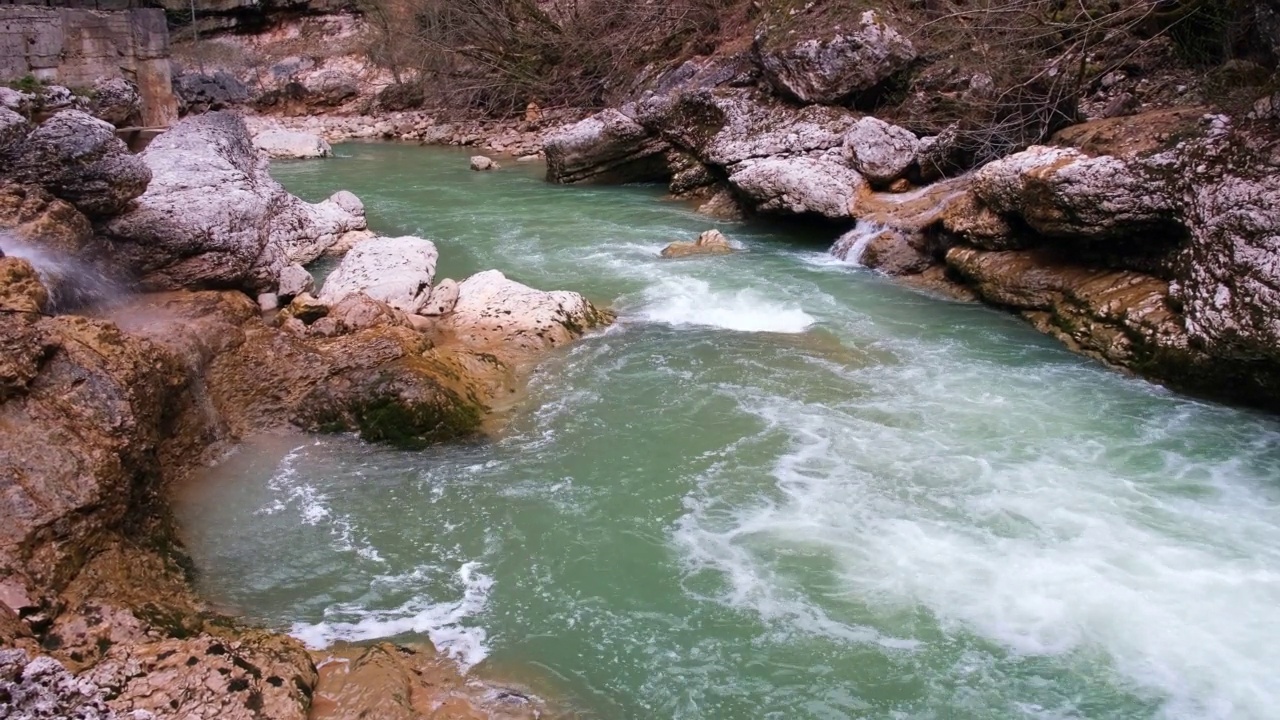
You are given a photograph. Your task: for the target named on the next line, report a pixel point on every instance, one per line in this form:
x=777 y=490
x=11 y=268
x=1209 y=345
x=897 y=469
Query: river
x=780 y=487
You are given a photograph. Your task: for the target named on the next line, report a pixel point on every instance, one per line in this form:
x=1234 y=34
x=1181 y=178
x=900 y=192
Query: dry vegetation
x=999 y=73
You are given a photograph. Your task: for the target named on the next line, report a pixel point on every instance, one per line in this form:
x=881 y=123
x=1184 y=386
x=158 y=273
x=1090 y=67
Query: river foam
x=690 y=301
x=1051 y=550
x=442 y=622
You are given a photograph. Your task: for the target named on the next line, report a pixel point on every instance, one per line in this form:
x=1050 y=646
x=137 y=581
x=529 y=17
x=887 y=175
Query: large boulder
x=514 y=320
x=837 y=68
x=1064 y=192
x=397 y=271
x=116 y=101
x=606 y=147
x=291 y=145
x=727 y=126
x=213 y=217
x=799 y=186
x=201 y=92
x=77 y=158
x=880 y=151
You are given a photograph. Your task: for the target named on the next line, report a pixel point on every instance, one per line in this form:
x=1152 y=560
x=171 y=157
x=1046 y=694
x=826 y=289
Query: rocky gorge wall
x=77 y=44
x=107 y=399
x=1145 y=237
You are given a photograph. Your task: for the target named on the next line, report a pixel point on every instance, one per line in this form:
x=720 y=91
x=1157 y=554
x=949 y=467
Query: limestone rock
x=213 y=217
x=480 y=163
x=711 y=242
x=41 y=687
x=880 y=151
x=358 y=312
x=291 y=145
x=398 y=682
x=724 y=127
x=722 y=205
x=838 y=68
x=444 y=296
x=397 y=271
x=799 y=186
x=79 y=159
x=200 y=92
x=514 y=319
x=1063 y=192
x=13 y=130
x=294 y=281
x=307 y=308
x=116 y=101
x=609 y=147
x=30 y=214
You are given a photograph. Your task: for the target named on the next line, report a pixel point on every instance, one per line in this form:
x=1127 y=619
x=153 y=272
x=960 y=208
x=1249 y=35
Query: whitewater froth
x=690 y=301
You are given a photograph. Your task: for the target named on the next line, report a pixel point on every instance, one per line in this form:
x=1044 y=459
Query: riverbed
x=781 y=486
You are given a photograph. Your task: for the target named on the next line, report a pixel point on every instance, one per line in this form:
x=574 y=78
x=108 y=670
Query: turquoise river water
x=779 y=487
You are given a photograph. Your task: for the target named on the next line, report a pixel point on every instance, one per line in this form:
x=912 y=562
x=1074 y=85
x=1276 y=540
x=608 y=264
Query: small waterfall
x=853 y=244
x=72 y=283
x=908 y=214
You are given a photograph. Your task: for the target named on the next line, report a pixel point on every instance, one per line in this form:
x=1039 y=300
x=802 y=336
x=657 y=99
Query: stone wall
x=75 y=42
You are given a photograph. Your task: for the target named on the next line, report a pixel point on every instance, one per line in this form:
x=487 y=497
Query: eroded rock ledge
x=102 y=407
x=1151 y=242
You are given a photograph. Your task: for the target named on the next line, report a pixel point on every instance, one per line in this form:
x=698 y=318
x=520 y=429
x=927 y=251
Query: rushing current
x=780 y=487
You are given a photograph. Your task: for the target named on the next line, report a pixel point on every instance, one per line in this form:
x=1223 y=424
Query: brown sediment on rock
x=410 y=682
x=102 y=413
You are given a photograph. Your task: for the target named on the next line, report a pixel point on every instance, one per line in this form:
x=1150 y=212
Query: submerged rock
x=291 y=145
x=481 y=163
x=397 y=271
x=213 y=216
x=711 y=242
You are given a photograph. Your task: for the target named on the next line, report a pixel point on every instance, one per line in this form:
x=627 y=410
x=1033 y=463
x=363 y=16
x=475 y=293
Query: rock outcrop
x=495 y=313
x=213 y=217
x=396 y=271
x=880 y=151
x=75 y=157
x=291 y=145
x=838 y=68
x=607 y=147
x=799 y=186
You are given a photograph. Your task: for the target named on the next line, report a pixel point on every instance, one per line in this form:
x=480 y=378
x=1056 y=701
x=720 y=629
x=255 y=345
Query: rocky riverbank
x=1145 y=240
x=108 y=396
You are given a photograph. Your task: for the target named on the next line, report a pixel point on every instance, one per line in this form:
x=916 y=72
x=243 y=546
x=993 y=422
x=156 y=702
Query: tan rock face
x=711 y=242
x=396 y=682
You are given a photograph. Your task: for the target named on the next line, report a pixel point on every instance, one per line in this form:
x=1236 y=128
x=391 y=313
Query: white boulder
x=800 y=186
x=397 y=271
x=880 y=151
x=291 y=145
x=494 y=312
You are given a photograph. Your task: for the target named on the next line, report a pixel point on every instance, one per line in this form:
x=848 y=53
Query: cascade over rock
x=213 y=217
